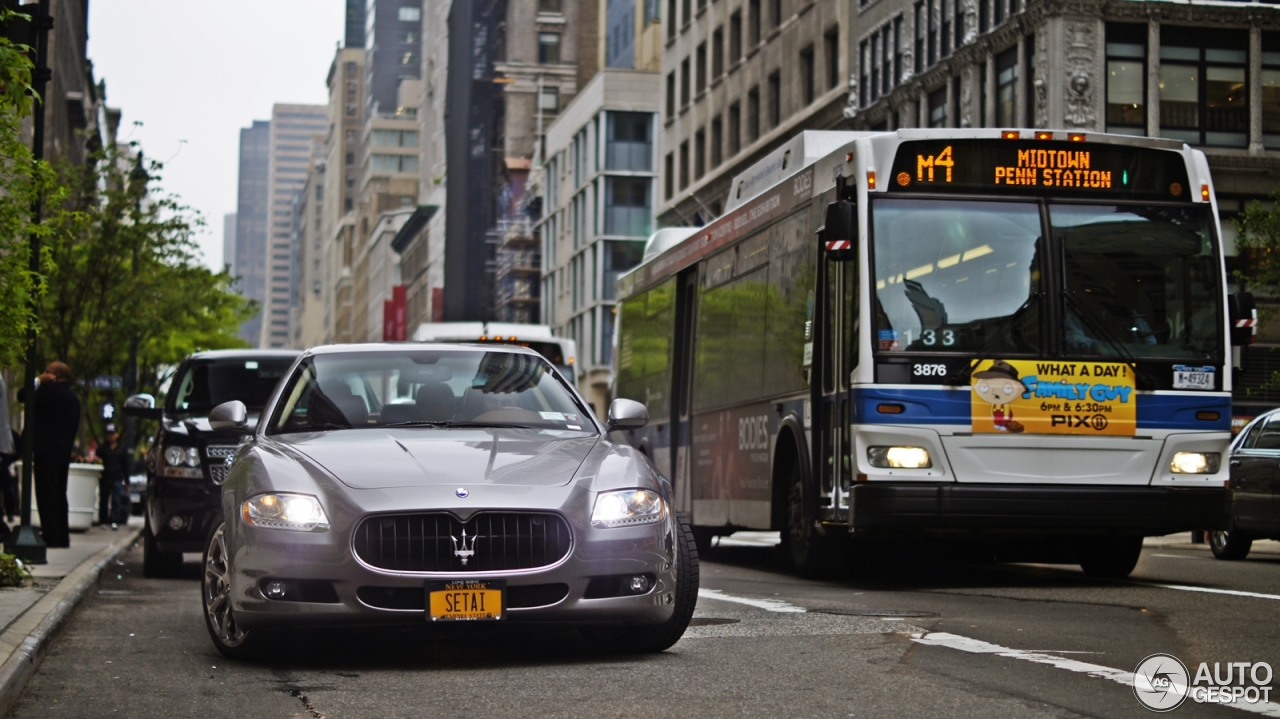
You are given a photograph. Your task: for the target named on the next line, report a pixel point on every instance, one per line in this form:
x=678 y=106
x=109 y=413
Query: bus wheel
x=1111 y=557
x=803 y=544
x=1231 y=544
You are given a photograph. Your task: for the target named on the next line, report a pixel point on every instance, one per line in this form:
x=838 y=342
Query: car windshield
x=441 y=388
x=956 y=275
x=1141 y=281
x=203 y=384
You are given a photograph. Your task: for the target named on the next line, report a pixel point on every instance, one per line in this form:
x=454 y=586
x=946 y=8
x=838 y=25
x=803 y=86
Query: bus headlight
x=899 y=457
x=1195 y=463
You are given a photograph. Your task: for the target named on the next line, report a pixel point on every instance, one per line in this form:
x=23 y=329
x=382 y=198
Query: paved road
x=921 y=639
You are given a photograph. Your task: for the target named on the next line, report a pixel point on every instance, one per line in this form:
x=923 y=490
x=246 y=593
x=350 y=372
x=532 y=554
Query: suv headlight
x=299 y=512
x=626 y=508
x=182 y=462
x=1195 y=463
x=899 y=457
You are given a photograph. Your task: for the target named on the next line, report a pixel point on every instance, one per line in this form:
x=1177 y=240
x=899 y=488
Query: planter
x=82 y=496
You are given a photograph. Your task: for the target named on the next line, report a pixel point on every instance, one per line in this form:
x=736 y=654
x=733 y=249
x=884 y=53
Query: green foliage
x=13 y=573
x=1259 y=245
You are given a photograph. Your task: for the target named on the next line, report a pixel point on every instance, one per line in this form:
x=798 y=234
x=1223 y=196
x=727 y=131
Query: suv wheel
x=1230 y=544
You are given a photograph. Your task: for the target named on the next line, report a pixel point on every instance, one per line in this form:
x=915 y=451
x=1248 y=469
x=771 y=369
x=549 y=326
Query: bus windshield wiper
x=1109 y=338
x=961 y=374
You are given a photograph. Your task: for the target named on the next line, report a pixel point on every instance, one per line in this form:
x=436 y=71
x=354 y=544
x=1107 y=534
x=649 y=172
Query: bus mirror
x=1244 y=318
x=840 y=231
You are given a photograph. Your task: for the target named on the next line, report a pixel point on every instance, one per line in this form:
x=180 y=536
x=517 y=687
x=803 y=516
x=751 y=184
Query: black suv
x=187 y=460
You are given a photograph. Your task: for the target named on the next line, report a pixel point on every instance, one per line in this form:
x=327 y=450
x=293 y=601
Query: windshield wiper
x=418 y=423
x=961 y=374
x=1110 y=339
x=498 y=425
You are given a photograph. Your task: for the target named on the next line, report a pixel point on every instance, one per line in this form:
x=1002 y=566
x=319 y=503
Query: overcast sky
x=194 y=72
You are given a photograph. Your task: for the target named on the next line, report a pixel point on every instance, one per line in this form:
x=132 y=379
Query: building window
x=931 y=41
x=983 y=21
x=887 y=80
x=409 y=58
x=548 y=5
x=685 y=82
x=938 y=107
x=1271 y=90
x=628 y=145
x=393 y=163
x=777 y=12
x=548 y=48
x=957 y=8
x=1028 y=81
x=671 y=95
x=753 y=113
x=999 y=11
x=735 y=129
x=699 y=154
x=919 y=24
x=549 y=100
x=898 y=69
x=411 y=14
x=945 y=36
x=717 y=52
x=1204 y=95
x=831 y=51
x=1006 y=82
x=626 y=206
x=671 y=19
x=775 y=99
x=351 y=158
x=352 y=69
x=684 y=164
x=619 y=257
x=864 y=70
x=351 y=110
x=807 y=78
x=735 y=37
x=394 y=138
x=717 y=137
x=700 y=76
x=669 y=176
x=753 y=22
x=687 y=7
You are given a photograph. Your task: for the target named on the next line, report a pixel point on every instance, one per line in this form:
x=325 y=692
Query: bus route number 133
x=927 y=163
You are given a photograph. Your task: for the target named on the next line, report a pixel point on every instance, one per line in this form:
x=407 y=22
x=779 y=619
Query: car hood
x=387 y=458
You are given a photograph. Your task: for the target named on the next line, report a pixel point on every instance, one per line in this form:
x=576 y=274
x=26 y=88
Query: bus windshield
x=1139 y=280
x=955 y=275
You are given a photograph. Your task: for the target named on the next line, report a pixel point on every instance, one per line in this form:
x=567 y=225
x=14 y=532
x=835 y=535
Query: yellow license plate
x=465 y=600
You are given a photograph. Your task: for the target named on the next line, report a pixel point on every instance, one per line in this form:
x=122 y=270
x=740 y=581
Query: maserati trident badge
x=461 y=492
x=461 y=549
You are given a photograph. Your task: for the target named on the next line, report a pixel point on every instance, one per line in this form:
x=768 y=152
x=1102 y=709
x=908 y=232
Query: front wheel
x=653 y=639
x=1230 y=544
x=232 y=640
x=813 y=554
x=1111 y=557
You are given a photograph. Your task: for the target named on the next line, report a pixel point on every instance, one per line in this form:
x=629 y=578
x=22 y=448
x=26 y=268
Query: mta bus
x=1018 y=336
x=558 y=351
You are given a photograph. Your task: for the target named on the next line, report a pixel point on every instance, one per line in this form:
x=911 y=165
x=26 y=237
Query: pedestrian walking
x=57 y=419
x=114 y=482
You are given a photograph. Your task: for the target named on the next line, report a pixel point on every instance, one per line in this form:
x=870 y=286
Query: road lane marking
x=1119 y=676
x=769 y=605
x=1232 y=592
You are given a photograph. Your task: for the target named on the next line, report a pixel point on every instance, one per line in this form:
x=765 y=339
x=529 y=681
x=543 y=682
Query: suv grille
x=220 y=451
x=498 y=541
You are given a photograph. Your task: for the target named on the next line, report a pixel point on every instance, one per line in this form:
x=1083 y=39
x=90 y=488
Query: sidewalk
x=31 y=617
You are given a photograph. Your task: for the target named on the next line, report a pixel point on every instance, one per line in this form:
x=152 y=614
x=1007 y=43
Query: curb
x=57 y=608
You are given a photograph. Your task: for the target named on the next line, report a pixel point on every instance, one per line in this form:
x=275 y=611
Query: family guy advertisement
x=1090 y=398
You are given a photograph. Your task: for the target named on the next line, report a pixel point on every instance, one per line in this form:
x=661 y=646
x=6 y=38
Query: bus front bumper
x=1036 y=509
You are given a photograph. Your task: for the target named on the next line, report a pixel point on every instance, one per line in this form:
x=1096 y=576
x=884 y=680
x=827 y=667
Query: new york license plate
x=465 y=600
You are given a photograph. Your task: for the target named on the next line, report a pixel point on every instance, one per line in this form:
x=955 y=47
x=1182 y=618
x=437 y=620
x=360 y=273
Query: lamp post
x=138 y=179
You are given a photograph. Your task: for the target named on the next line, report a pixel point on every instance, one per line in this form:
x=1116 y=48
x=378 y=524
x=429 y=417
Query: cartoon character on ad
x=999 y=386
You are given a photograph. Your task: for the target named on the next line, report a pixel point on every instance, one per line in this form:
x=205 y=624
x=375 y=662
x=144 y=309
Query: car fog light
x=275 y=590
x=626 y=508
x=899 y=457
x=639 y=584
x=298 y=512
x=1195 y=463
x=176 y=523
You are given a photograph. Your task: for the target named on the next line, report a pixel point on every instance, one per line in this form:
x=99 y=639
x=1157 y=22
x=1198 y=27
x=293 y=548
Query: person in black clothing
x=57 y=419
x=113 y=484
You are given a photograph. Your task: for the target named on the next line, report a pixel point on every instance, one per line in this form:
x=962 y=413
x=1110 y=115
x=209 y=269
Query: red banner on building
x=400 y=313
x=437 y=304
x=388 y=321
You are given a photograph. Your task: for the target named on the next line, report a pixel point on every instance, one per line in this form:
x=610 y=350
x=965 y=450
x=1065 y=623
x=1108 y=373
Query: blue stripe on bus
x=953 y=407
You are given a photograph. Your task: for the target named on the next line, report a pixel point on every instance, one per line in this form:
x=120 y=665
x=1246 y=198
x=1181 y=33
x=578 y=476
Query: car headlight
x=182 y=462
x=626 y=508
x=1195 y=463
x=899 y=457
x=299 y=512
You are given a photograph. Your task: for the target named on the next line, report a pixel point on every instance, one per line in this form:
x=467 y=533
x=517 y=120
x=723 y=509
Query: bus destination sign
x=1040 y=167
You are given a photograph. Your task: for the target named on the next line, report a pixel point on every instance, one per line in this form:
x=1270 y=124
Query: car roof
x=245 y=353
x=373 y=347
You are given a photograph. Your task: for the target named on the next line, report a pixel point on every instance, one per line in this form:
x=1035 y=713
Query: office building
x=306 y=322
x=338 y=221
x=251 y=221
x=229 y=240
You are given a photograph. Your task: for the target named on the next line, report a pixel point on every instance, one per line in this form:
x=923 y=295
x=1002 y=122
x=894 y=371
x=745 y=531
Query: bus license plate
x=1193 y=377
x=465 y=600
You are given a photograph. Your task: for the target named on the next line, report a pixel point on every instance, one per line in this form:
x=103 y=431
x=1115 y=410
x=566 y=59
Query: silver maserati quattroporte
x=410 y=483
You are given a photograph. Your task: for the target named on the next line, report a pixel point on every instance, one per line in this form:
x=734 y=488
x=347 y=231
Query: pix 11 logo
x=1162 y=683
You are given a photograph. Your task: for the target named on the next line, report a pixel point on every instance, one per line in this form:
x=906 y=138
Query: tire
x=155 y=563
x=1230 y=545
x=654 y=639
x=232 y=640
x=1111 y=557
x=809 y=551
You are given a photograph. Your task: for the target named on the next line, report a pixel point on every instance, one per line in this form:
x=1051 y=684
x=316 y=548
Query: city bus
x=1018 y=336
x=558 y=351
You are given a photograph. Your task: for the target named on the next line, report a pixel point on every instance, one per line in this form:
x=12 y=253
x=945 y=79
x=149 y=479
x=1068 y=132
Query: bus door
x=837 y=339
x=682 y=387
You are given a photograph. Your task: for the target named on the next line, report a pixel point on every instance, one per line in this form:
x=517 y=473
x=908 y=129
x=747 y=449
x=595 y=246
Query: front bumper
x=946 y=507
x=326 y=560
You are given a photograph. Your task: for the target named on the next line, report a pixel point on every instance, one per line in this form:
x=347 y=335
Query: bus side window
x=849 y=339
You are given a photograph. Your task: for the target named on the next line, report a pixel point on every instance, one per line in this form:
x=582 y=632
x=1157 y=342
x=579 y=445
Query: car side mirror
x=142 y=405
x=626 y=414
x=230 y=417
